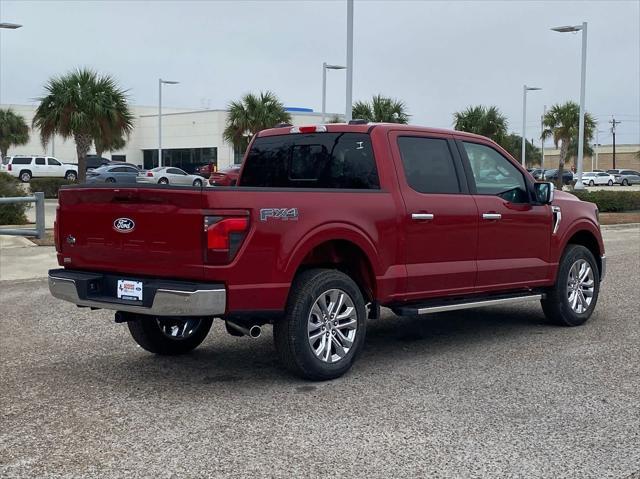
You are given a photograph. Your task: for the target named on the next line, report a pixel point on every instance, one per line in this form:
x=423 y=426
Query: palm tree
x=114 y=144
x=482 y=120
x=562 y=123
x=513 y=144
x=252 y=114
x=13 y=131
x=381 y=110
x=84 y=106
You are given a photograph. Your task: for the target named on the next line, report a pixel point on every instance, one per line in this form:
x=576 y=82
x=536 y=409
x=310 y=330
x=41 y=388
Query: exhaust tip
x=255 y=331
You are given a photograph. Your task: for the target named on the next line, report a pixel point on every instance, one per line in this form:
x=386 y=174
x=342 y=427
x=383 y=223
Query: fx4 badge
x=284 y=214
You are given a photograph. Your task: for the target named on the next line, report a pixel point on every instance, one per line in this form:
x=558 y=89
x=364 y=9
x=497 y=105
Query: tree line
x=93 y=110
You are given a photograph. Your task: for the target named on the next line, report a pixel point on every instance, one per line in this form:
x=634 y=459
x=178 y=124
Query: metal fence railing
x=38 y=232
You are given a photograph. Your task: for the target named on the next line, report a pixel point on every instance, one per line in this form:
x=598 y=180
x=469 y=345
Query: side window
x=22 y=161
x=53 y=162
x=495 y=175
x=119 y=169
x=603 y=174
x=428 y=165
x=40 y=161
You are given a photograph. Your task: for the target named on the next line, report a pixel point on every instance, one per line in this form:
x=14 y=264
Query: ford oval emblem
x=124 y=225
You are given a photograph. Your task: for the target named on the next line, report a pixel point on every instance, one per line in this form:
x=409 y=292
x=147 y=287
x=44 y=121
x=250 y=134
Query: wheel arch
x=341 y=247
x=584 y=234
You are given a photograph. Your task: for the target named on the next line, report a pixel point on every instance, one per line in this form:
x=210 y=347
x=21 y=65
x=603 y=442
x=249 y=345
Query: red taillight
x=224 y=236
x=309 y=129
x=9 y=167
x=149 y=173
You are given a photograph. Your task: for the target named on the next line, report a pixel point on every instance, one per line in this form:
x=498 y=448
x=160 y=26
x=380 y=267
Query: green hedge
x=49 y=186
x=611 y=201
x=12 y=214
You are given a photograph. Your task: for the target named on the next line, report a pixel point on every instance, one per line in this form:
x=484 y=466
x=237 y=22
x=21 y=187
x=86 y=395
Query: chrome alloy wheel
x=580 y=286
x=332 y=325
x=178 y=328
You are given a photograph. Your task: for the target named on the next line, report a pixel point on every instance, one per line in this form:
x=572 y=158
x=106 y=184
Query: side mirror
x=544 y=192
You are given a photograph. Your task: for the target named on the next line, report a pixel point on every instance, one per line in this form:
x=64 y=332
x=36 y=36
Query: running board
x=455 y=305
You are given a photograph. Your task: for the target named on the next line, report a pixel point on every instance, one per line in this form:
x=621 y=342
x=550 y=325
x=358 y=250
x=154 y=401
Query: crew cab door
x=440 y=222
x=514 y=232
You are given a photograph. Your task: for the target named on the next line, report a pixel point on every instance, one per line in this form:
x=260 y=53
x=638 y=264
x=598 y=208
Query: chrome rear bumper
x=164 y=298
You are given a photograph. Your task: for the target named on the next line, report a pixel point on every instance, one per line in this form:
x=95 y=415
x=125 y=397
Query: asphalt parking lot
x=491 y=392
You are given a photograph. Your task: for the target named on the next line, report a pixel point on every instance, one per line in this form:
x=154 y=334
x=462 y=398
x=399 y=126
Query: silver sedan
x=169 y=175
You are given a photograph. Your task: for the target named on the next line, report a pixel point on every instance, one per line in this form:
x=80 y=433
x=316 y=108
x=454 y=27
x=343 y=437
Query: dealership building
x=190 y=138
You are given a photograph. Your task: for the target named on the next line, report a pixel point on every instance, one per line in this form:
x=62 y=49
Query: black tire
x=291 y=332
x=625 y=182
x=555 y=304
x=110 y=180
x=610 y=183
x=147 y=333
x=163 y=181
x=197 y=183
x=25 y=176
x=591 y=183
x=71 y=176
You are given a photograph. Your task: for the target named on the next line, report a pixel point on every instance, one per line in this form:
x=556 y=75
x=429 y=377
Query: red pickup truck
x=328 y=224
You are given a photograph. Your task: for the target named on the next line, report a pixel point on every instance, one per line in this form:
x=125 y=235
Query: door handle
x=491 y=216
x=421 y=216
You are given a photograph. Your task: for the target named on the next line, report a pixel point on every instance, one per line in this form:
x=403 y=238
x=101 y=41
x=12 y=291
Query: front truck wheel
x=323 y=330
x=571 y=301
x=169 y=335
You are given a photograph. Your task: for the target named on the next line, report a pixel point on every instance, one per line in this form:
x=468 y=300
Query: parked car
x=537 y=173
x=113 y=173
x=26 y=167
x=592 y=178
x=625 y=177
x=225 y=177
x=552 y=175
x=169 y=175
x=331 y=224
x=205 y=170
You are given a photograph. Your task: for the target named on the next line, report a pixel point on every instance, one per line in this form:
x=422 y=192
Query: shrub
x=12 y=214
x=611 y=201
x=49 y=186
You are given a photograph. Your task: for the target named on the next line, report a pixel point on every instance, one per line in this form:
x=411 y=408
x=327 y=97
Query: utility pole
x=614 y=122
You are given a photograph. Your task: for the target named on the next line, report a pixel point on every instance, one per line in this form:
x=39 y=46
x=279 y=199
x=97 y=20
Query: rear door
x=129 y=230
x=40 y=167
x=514 y=232
x=441 y=219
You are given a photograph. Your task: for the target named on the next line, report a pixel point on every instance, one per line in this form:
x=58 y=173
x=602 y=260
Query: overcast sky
x=438 y=57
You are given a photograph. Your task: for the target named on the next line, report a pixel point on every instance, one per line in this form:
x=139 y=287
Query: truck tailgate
x=158 y=230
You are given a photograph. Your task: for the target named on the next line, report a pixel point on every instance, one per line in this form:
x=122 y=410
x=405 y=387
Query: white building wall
x=181 y=128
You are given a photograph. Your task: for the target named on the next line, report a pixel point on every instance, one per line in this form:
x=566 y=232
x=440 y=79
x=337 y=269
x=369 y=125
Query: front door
x=514 y=231
x=441 y=219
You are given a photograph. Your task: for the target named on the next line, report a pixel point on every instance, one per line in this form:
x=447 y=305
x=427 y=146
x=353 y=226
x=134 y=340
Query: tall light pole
x=160 y=83
x=349 y=95
x=326 y=67
x=583 y=78
x=544 y=112
x=525 y=89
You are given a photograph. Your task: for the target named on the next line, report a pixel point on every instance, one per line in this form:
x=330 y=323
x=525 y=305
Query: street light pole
x=525 y=89
x=583 y=77
x=326 y=67
x=349 y=95
x=160 y=83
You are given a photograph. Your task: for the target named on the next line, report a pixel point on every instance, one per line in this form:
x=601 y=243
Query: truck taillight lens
x=224 y=236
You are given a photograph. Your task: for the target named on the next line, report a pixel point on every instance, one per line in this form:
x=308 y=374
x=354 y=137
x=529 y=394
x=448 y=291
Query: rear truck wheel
x=163 y=181
x=25 y=176
x=197 y=183
x=571 y=301
x=167 y=335
x=71 y=176
x=110 y=180
x=323 y=330
x=610 y=183
x=625 y=182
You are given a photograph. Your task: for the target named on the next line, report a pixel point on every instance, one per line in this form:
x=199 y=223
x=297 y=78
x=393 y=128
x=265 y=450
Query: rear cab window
x=316 y=160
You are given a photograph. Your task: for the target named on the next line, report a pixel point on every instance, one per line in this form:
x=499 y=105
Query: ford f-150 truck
x=329 y=223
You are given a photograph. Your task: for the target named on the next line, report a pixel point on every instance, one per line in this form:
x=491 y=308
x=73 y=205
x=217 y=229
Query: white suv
x=26 y=167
